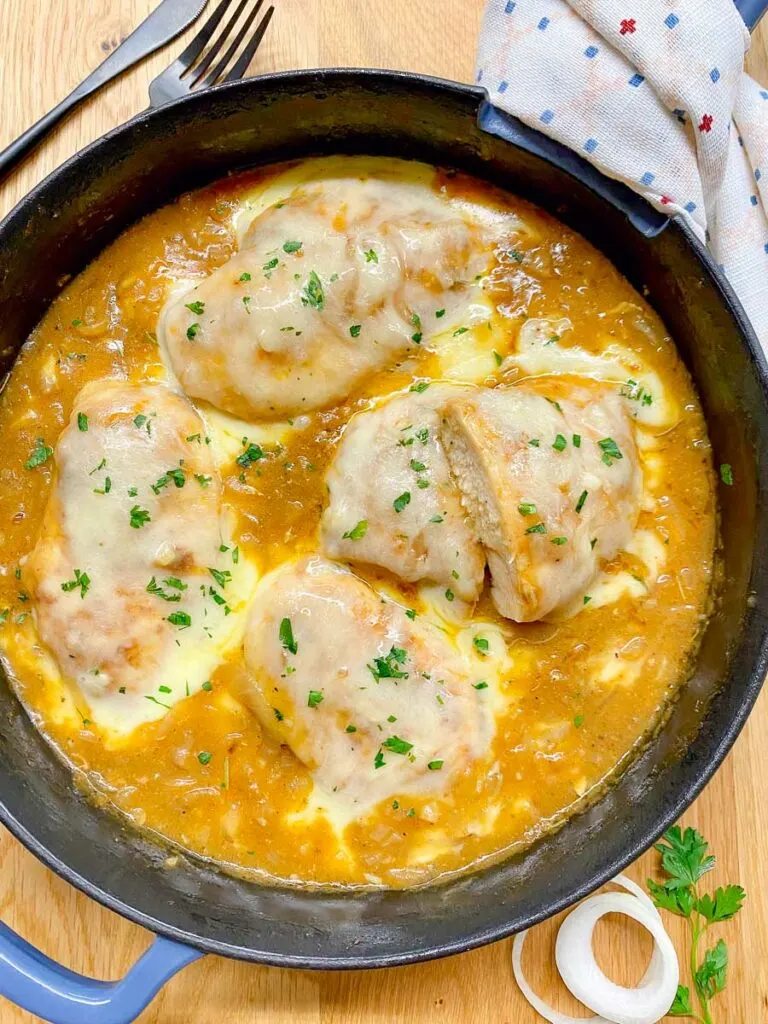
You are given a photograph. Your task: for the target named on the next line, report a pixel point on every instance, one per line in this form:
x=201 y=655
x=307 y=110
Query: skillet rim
x=755 y=622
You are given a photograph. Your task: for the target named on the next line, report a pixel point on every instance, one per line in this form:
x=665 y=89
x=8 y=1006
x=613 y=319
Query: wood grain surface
x=46 y=47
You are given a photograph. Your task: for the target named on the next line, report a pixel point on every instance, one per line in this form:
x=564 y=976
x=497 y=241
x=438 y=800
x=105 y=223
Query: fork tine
x=195 y=48
x=221 y=66
x=199 y=70
x=246 y=57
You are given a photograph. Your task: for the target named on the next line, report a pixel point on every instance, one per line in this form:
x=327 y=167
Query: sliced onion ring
x=614 y=1004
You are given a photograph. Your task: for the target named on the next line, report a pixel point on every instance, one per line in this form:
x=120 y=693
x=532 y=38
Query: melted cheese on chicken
x=374 y=703
x=552 y=486
x=393 y=502
x=329 y=285
x=133 y=595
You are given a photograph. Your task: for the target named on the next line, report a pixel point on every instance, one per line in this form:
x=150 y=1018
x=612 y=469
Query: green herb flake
x=253 y=453
x=207 y=686
x=139 y=517
x=411 y=613
x=387 y=667
x=435 y=766
x=354 y=330
x=534 y=442
x=460 y=330
x=587 y=598
x=222 y=576
x=400 y=503
x=559 y=540
x=578 y=721
x=291 y=246
x=497 y=357
x=39 y=454
x=559 y=443
x=537 y=528
x=576 y=440
x=370 y=256
x=278 y=714
x=378 y=761
x=192 y=331
x=439 y=313
x=82 y=581
x=269 y=266
x=82 y=421
x=420 y=387
x=397 y=745
x=313 y=292
x=449 y=595
x=526 y=508
x=285 y=635
x=314 y=698
x=198 y=308
x=480 y=644
x=204 y=757
x=482 y=685
x=245 y=276
x=582 y=499
x=416 y=466
x=726 y=474
x=351 y=728
x=357 y=532
x=180 y=619
x=610 y=450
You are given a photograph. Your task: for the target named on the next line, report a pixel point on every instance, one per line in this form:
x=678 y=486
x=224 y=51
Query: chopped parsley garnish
x=357 y=532
x=285 y=635
x=576 y=440
x=416 y=337
x=497 y=357
x=180 y=619
x=235 y=555
x=556 y=404
x=578 y=721
x=437 y=519
x=269 y=266
x=314 y=698
x=204 y=757
x=482 y=685
x=371 y=257
x=245 y=276
x=537 y=528
x=449 y=595
x=39 y=454
x=460 y=330
x=132 y=492
x=416 y=466
x=291 y=246
x=140 y=420
x=106 y=488
x=351 y=728
x=534 y=442
x=82 y=421
x=387 y=667
x=526 y=508
x=515 y=254
x=278 y=714
x=175 y=475
x=396 y=745
x=587 y=598
x=247 y=304
x=610 y=450
x=726 y=474
x=313 y=292
x=400 y=503
x=480 y=644
x=164 y=689
x=559 y=540
x=423 y=435
x=82 y=581
x=593 y=542
x=421 y=386
x=411 y=613
x=153 y=587
x=439 y=313
x=198 y=308
x=202 y=479
x=76 y=323
x=435 y=766
x=139 y=517
x=355 y=329
x=378 y=761
x=192 y=331
x=636 y=393
x=559 y=443
x=222 y=576
x=207 y=686
x=582 y=498
x=251 y=454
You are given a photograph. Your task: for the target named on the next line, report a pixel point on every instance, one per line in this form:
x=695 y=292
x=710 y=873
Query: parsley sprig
x=684 y=859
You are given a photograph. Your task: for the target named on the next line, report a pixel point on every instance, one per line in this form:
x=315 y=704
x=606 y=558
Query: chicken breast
x=552 y=487
x=328 y=286
x=132 y=594
x=393 y=502
x=372 y=702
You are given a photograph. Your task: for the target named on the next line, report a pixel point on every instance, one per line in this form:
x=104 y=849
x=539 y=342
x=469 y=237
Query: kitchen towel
x=654 y=93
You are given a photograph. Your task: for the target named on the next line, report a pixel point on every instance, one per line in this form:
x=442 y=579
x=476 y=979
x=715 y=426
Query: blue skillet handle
x=45 y=988
x=751 y=11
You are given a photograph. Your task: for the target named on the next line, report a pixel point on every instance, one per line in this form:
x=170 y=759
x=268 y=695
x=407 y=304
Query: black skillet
x=87 y=203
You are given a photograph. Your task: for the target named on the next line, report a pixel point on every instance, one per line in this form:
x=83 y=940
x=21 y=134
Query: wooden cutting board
x=46 y=47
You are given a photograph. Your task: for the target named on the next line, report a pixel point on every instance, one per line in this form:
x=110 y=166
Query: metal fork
x=188 y=73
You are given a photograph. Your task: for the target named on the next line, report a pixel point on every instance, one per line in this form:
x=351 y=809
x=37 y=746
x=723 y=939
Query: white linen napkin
x=655 y=95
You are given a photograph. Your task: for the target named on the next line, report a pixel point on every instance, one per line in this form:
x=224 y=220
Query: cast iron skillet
x=81 y=208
